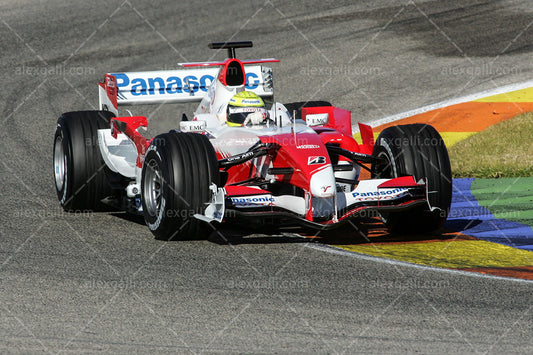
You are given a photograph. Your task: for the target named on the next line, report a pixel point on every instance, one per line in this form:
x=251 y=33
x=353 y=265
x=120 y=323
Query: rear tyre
x=297 y=106
x=80 y=179
x=177 y=173
x=417 y=150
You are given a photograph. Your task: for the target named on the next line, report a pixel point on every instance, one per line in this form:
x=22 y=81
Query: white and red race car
x=301 y=166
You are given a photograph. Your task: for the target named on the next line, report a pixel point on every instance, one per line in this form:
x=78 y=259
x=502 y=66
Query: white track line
x=480 y=95
x=339 y=251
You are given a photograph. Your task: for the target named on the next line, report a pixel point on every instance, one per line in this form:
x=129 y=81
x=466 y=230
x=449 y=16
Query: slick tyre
x=177 y=173
x=79 y=170
x=417 y=150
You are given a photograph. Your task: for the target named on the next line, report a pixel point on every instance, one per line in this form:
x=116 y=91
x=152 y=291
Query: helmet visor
x=237 y=115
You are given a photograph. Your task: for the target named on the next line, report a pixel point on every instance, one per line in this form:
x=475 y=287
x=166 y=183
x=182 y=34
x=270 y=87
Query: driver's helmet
x=246 y=108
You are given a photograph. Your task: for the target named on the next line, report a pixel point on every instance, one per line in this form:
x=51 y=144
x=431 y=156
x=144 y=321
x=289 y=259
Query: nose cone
x=322 y=182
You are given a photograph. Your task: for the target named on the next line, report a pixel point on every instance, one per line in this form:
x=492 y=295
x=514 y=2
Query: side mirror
x=193 y=126
x=317 y=119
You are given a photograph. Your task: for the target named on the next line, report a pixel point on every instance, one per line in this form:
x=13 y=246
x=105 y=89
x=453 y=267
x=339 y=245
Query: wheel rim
x=60 y=163
x=153 y=183
x=384 y=169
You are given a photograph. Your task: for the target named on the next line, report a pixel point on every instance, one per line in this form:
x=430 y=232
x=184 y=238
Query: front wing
x=367 y=199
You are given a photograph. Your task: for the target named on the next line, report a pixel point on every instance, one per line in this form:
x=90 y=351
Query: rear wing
x=189 y=84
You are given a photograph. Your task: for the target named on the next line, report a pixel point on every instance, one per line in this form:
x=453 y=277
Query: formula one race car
x=244 y=158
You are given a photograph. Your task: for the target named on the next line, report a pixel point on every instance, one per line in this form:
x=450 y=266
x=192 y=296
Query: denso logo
x=172 y=84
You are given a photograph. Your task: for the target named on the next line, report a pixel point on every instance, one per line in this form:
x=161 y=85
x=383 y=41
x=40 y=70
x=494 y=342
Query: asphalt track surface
x=102 y=283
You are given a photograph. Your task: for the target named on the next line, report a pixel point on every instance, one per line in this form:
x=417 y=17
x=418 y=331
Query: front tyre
x=417 y=150
x=177 y=173
x=80 y=179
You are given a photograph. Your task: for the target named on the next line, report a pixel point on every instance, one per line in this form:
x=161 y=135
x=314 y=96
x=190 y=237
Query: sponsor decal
x=313 y=160
x=252 y=201
x=307 y=146
x=381 y=193
x=251 y=102
x=233 y=109
x=342 y=187
x=110 y=83
x=172 y=84
x=317 y=119
x=193 y=126
x=240 y=156
x=325 y=188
